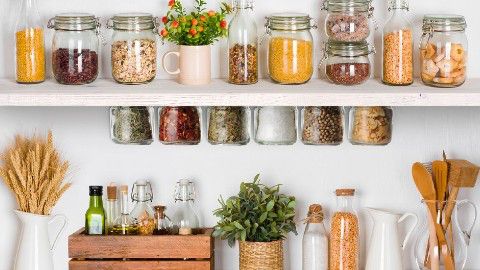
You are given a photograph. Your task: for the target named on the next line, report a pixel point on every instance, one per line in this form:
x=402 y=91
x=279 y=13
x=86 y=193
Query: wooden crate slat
x=139 y=265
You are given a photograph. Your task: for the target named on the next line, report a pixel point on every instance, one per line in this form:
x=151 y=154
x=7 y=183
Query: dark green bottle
x=95 y=216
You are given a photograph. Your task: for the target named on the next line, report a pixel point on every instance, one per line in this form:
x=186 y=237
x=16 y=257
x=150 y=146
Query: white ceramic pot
x=194 y=64
x=34 y=248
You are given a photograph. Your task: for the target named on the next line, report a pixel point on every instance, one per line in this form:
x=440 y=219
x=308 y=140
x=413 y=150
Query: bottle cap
x=315 y=213
x=112 y=192
x=96 y=190
x=345 y=192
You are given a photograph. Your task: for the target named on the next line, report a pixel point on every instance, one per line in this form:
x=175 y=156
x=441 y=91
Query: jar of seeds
x=370 y=125
x=322 y=125
x=275 y=125
x=131 y=125
x=228 y=125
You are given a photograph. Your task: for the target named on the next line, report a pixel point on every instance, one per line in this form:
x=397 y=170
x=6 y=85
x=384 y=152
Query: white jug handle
x=64 y=225
x=165 y=66
x=467 y=233
x=404 y=217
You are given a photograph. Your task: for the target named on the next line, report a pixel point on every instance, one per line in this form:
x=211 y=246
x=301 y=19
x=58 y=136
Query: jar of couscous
x=290 y=49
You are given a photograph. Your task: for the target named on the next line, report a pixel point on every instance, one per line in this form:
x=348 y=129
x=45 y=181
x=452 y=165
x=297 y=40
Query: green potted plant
x=193 y=32
x=260 y=218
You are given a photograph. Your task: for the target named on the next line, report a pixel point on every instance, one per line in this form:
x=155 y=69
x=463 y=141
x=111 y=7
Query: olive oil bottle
x=95 y=215
x=124 y=224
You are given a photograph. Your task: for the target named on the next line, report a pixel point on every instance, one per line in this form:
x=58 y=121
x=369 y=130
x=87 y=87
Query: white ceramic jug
x=385 y=250
x=34 y=248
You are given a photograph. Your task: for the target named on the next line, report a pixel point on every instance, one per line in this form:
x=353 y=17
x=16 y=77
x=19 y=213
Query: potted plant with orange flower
x=193 y=32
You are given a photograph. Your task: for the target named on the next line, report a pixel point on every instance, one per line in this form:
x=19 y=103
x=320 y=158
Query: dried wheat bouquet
x=34 y=171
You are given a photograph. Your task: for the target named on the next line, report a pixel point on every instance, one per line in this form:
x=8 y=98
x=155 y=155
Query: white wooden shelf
x=105 y=92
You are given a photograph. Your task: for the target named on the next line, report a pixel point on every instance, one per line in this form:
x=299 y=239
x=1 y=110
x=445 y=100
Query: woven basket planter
x=261 y=255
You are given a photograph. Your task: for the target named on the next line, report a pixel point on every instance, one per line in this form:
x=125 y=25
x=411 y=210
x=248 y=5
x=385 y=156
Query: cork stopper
x=124 y=189
x=315 y=213
x=345 y=192
x=111 y=191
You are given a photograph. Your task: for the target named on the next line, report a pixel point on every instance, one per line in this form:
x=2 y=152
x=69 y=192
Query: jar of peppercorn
x=75 y=47
x=179 y=125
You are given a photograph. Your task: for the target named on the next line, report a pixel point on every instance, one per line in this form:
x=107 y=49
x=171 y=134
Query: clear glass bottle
x=290 y=50
x=142 y=213
x=29 y=44
x=95 y=215
x=322 y=125
x=131 y=125
x=112 y=209
x=344 y=247
x=444 y=50
x=163 y=225
x=275 y=125
x=124 y=224
x=185 y=217
x=398 y=46
x=179 y=125
x=370 y=125
x=228 y=125
x=134 y=48
x=75 y=47
x=315 y=241
x=242 y=45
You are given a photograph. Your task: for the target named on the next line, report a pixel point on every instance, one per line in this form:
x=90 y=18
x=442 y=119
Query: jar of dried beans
x=348 y=21
x=275 y=125
x=322 y=125
x=75 y=48
x=179 y=125
x=443 y=50
x=290 y=50
x=370 y=125
x=344 y=245
x=347 y=63
x=134 y=48
x=228 y=125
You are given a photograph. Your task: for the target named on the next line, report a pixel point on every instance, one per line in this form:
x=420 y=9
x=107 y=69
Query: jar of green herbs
x=131 y=125
x=228 y=125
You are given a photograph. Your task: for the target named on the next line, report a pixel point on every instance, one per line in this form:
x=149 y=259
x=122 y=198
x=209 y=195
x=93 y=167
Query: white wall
x=381 y=174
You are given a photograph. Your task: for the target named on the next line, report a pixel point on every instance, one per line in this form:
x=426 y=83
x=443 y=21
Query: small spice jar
x=75 y=48
x=134 y=48
x=179 y=125
x=347 y=21
x=275 y=125
x=290 y=50
x=131 y=125
x=322 y=125
x=370 y=125
x=443 y=50
x=228 y=125
x=347 y=63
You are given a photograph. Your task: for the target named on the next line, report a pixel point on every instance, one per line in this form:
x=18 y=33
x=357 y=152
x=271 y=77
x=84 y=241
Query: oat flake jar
x=443 y=50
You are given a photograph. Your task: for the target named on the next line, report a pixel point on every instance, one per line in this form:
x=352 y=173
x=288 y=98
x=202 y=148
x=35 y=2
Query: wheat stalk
x=34 y=171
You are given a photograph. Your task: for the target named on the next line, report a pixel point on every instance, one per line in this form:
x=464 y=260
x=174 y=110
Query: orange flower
x=223 y=24
x=194 y=22
x=175 y=24
x=164 y=32
x=171 y=3
x=211 y=13
x=203 y=18
x=200 y=29
x=193 y=32
x=165 y=19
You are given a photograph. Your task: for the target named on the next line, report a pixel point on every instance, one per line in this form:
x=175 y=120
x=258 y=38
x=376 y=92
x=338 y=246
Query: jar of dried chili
x=179 y=125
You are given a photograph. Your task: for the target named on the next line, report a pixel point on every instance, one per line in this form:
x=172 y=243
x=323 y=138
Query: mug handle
x=165 y=66
x=467 y=233
x=64 y=219
x=407 y=237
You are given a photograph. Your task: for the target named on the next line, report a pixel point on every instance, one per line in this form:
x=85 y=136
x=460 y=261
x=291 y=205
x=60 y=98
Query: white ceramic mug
x=194 y=64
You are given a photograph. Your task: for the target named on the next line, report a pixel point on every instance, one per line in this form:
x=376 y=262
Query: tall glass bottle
x=315 y=241
x=29 y=44
x=185 y=218
x=398 y=46
x=124 y=224
x=95 y=215
x=142 y=212
x=112 y=210
x=242 y=45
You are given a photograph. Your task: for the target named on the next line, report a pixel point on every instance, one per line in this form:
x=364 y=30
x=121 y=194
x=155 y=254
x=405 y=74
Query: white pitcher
x=34 y=248
x=385 y=250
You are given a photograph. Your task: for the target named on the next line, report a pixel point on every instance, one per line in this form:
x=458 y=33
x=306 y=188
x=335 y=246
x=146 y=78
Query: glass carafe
x=242 y=45
x=315 y=241
x=185 y=217
x=433 y=252
x=124 y=224
x=143 y=213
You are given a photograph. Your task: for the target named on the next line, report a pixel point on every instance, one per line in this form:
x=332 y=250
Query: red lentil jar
x=179 y=125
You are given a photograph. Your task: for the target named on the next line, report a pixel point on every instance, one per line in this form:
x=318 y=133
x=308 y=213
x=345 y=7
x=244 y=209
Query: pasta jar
x=275 y=125
x=134 y=48
x=228 y=125
x=348 y=21
x=322 y=125
x=75 y=48
x=443 y=50
x=370 y=125
x=179 y=125
x=347 y=63
x=290 y=50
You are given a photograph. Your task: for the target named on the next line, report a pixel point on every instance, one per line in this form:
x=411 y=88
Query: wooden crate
x=135 y=252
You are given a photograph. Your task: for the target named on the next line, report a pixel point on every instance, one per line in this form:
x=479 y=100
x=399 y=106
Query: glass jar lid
x=347 y=49
x=351 y=5
x=132 y=21
x=74 y=22
x=444 y=23
x=289 y=21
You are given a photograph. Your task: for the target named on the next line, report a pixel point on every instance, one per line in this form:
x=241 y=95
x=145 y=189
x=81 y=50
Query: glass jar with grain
x=228 y=125
x=370 y=125
x=347 y=63
x=290 y=49
x=344 y=245
x=131 y=125
x=134 y=48
x=275 y=125
x=322 y=125
x=179 y=125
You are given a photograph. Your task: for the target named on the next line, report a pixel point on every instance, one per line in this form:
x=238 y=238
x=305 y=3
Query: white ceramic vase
x=34 y=249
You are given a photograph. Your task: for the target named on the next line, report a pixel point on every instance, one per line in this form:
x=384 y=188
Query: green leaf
x=238 y=225
x=270 y=205
x=263 y=217
x=243 y=235
x=292 y=204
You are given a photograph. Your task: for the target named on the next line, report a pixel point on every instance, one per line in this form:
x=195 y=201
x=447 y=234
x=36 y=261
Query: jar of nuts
x=134 y=48
x=370 y=125
x=322 y=125
x=443 y=50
